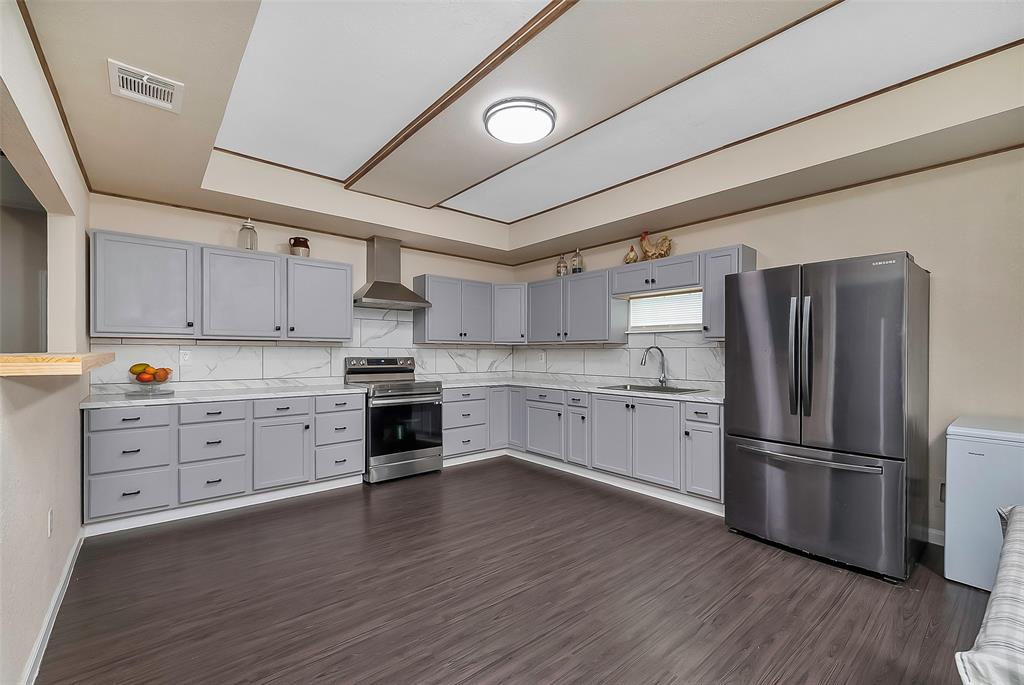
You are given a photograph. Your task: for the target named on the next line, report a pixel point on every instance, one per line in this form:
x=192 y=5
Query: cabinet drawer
x=339 y=402
x=128 y=417
x=339 y=427
x=462 y=440
x=124 y=492
x=123 y=450
x=202 y=412
x=214 y=479
x=708 y=413
x=543 y=395
x=286 y=406
x=211 y=441
x=461 y=394
x=458 y=414
x=339 y=460
x=577 y=399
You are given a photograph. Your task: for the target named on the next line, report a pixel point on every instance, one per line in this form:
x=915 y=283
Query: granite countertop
x=564 y=384
x=100 y=400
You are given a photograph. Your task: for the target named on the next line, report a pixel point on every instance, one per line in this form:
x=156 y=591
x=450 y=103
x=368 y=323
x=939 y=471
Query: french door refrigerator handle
x=813 y=462
x=793 y=409
x=805 y=357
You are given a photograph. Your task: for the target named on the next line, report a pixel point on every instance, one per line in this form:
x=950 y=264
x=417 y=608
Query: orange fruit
x=160 y=375
x=145 y=377
x=150 y=370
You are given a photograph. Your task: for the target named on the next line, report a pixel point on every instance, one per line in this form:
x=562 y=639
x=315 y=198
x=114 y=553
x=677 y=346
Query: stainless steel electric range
x=403 y=417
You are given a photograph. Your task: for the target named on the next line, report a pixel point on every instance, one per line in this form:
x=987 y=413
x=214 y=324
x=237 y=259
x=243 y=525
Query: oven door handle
x=391 y=401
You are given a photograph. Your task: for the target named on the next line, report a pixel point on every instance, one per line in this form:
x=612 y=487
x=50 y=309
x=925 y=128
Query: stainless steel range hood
x=384 y=289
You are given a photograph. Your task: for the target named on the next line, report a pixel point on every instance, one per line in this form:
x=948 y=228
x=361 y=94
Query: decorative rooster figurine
x=656 y=251
x=631 y=256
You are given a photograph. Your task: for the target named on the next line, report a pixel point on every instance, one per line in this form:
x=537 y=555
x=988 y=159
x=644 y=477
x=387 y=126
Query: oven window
x=404 y=428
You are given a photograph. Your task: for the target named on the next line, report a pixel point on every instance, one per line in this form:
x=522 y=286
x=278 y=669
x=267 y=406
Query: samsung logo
x=883 y=263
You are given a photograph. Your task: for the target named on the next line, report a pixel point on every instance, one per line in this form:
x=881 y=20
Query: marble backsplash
x=688 y=357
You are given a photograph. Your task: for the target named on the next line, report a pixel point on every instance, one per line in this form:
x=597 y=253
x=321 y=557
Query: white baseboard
x=470 y=458
x=31 y=670
x=102 y=527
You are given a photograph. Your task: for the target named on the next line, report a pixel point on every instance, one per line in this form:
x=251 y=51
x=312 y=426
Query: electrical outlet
x=542 y=358
x=185 y=356
x=49 y=523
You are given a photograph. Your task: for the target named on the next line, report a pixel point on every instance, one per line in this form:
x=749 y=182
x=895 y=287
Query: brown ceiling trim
x=277 y=164
x=23 y=8
x=540 y=21
x=819 y=193
x=297 y=227
x=654 y=94
x=477 y=216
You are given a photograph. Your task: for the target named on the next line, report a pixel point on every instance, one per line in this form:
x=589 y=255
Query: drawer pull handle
x=340 y=404
x=466 y=442
x=214 y=413
x=340 y=428
x=131 y=418
x=214 y=481
x=129 y=494
x=466 y=394
x=701 y=413
x=574 y=399
x=976 y=454
x=340 y=461
x=466 y=416
x=542 y=396
x=213 y=442
x=284 y=408
x=134 y=451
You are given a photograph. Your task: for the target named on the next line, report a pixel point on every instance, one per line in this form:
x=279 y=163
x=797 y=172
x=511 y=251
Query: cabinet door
x=544 y=311
x=717 y=265
x=319 y=299
x=281 y=452
x=577 y=436
x=476 y=311
x=143 y=286
x=516 y=417
x=497 y=418
x=656 y=441
x=444 y=317
x=702 y=445
x=682 y=271
x=509 y=313
x=611 y=447
x=544 y=429
x=631 y=278
x=587 y=305
x=242 y=293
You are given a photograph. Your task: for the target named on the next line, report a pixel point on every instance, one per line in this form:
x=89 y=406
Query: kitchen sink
x=667 y=389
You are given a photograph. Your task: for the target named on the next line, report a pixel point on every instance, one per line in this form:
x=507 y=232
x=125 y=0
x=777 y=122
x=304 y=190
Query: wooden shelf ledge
x=52 y=363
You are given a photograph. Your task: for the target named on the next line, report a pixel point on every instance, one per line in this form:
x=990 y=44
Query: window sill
x=664 y=329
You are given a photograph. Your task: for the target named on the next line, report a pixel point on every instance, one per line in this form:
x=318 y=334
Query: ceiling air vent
x=142 y=86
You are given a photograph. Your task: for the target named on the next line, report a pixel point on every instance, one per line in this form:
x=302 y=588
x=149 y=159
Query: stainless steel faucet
x=643 y=362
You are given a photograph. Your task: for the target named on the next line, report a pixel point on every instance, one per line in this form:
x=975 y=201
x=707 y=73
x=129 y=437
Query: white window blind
x=679 y=310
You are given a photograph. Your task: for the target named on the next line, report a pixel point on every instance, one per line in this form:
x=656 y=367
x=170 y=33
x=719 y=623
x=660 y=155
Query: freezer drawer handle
x=805 y=371
x=792 y=355
x=814 y=462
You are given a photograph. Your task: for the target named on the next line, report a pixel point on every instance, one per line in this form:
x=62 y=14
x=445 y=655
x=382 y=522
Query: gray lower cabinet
x=509 y=313
x=517 y=417
x=656 y=441
x=282 y=451
x=611 y=434
x=143 y=286
x=465 y=422
x=243 y=293
x=498 y=418
x=577 y=436
x=702 y=444
x=207 y=480
x=544 y=311
x=319 y=299
x=717 y=265
x=133 y=492
x=545 y=429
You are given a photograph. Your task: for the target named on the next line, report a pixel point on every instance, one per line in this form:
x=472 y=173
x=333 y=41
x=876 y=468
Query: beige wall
x=22 y=292
x=964 y=223
x=144 y=218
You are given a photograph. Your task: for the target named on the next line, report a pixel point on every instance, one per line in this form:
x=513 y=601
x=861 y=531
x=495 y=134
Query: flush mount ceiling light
x=519 y=120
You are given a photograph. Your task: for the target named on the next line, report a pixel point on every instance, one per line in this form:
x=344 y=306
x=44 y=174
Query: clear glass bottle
x=247 y=238
x=577 y=262
x=561 y=268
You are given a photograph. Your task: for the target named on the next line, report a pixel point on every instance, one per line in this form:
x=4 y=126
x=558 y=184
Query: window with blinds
x=667 y=312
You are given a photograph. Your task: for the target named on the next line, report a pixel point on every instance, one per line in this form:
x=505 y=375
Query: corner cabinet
x=143 y=286
x=319 y=300
x=460 y=310
x=243 y=293
x=509 y=306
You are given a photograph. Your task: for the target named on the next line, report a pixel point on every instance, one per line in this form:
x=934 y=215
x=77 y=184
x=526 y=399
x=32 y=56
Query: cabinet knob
x=653 y=281
x=705 y=327
x=583 y=418
x=522 y=335
x=189 y=324
x=647 y=281
x=291 y=328
x=306 y=427
x=277 y=328
x=559 y=414
x=565 y=334
x=686 y=433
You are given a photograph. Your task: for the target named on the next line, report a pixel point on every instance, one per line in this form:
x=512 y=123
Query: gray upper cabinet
x=282 y=451
x=319 y=299
x=476 y=311
x=509 y=312
x=577 y=436
x=516 y=417
x=498 y=418
x=545 y=311
x=545 y=427
x=611 y=437
x=703 y=456
x=656 y=441
x=243 y=293
x=717 y=265
x=680 y=271
x=143 y=286
x=631 y=278
x=586 y=307
x=460 y=311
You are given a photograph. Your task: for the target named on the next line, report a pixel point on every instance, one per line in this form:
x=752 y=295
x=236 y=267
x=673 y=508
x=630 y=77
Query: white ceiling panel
x=324 y=85
x=850 y=50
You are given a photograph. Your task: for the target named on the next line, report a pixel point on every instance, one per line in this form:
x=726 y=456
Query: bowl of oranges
x=149 y=378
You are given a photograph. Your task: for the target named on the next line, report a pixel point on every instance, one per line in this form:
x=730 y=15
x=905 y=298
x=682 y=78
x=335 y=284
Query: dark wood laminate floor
x=494 y=571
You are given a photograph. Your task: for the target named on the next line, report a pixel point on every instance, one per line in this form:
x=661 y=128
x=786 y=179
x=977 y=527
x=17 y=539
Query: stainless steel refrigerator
x=826 y=409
